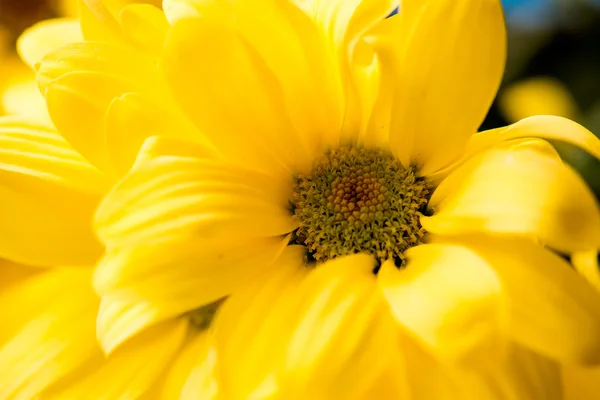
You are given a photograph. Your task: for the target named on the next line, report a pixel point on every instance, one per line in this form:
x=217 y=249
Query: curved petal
x=51 y=319
x=345 y=23
x=150 y=283
x=449 y=299
x=192 y=376
x=98 y=18
x=521 y=192
x=580 y=383
x=520 y=375
x=13 y=274
x=23 y=98
x=145 y=26
x=446 y=61
x=108 y=59
x=97 y=21
x=231 y=94
x=132 y=118
x=587 y=264
x=132 y=370
x=547 y=127
x=161 y=146
x=251 y=312
x=329 y=335
x=553 y=310
x=46 y=36
x=298 y=56
x=47 y=197
x=84 y=78
x=193 y=199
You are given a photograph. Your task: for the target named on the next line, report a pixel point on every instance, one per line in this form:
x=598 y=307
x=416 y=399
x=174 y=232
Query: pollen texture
x=358 y=200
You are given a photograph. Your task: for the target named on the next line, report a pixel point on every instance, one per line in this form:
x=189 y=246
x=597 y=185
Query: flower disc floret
x=358 y=200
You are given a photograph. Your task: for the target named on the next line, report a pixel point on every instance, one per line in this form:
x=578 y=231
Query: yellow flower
x=288 y=158
x=539 y=95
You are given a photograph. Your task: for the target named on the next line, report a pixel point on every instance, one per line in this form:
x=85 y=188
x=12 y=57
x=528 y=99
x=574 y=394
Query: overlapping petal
x=298 y=58
x=194 y=199
x=131 y=371
x=46 y=36
x=47 y=331
x=552 y=309
x=145 y=26
x=153 y=282
x=330 y=334
x=521 y=375
x=48 y=195
x=547 y=127
x=132 y=118
x=98 y=18
x=235 y=98
x=85 y=78
x=193 y=375
x=444 y=62
x=521 y=192
x=449 y=299
x=255 y=311
x=345 y=24
x=587 y=264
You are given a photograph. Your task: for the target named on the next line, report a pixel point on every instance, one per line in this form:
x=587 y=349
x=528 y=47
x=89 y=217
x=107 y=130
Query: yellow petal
x=121 y=63
x=449 y=299
x=53 y=317
x=145 y=26
x=12 y=274
x=195 y=199
x=580 y=383
x=342 y=334
x=84 y=78
x=521 y=192
x=298 y=56
x=543 y=126
x=553 y=310
x=46 y=36
x=586 y=263
x=537 y=96
x=446 y=62
x=132 y=370
x=331 y=336
x=248 y=126
x=47 y=197
x=192 y=375
x=150 y=283
x=344 y=23
x=179 y=9
x=24 y=98
x=160 y=146
x=521 y=375
x=251 y=312
x=98 y=21
x=132 y=118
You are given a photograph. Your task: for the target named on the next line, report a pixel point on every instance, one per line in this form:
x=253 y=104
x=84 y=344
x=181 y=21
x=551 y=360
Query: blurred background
x=553 y=64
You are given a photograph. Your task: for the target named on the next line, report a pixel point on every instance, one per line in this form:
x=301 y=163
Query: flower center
x=359 y=200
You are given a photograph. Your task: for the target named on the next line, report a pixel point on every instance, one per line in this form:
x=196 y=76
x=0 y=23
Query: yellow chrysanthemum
x=539 y=95
x=280 y=162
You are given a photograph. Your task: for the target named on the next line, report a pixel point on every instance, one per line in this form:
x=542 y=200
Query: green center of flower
x=359 y=200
